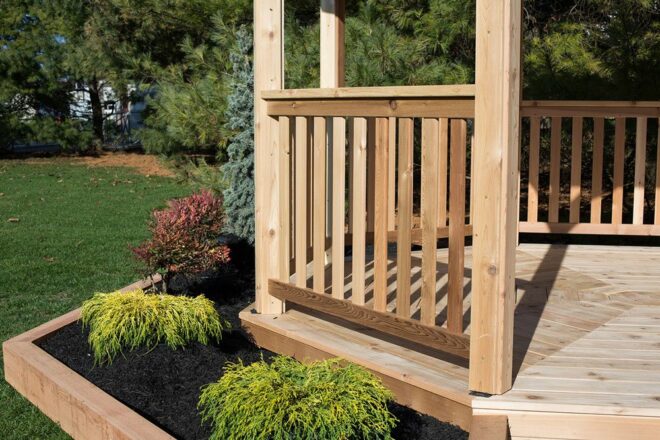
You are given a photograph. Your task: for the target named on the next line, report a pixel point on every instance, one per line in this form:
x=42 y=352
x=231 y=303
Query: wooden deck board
x=586 y=335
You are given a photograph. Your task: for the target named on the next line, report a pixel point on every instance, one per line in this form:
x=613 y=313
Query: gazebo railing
x=365 y=176
x=590 y=167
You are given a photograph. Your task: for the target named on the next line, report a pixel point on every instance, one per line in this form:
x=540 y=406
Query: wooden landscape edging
x=79 y=407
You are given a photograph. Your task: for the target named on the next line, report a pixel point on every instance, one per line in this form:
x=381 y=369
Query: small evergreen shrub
x=239 y=169
x=134 y=319
x=287 y=400
x=184 y=237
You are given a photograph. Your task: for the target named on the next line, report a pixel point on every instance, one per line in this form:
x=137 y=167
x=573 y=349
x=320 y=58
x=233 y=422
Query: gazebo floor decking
x=586 y=345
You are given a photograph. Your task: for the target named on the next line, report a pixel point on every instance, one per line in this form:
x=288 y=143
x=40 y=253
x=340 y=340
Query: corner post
x=332 y=43
x=333 y=73
x=268 y=75
x=497 y=116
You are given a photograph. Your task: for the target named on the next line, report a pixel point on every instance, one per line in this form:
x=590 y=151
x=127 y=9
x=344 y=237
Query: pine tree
x=239 y=169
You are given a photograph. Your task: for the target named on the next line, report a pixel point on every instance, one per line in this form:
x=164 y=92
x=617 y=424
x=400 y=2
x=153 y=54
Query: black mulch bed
x=163 y=385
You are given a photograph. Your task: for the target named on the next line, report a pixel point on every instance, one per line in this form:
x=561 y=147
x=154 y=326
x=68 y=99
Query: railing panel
x=606 y=183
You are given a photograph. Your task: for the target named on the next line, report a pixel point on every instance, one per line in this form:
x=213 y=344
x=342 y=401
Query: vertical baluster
x=576 y=170
x=284 y=164
x=338 y=205
x=656 y=218
x=391 y=178
x=456 y=225
x=319 y=165
x=371 y=168
x=359 y=207
x=301 y=201
x=555 y=166
x=429 y=214
x=471 y=202
x=405 y=217
x=310 y=184
x=380 y=214
x=534 y=162
x=597 y=171
x=443 y=127
x=619 y=157
x=640 y=171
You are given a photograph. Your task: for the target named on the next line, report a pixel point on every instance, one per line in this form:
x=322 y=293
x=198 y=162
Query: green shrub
x=287 y=400
x=135 y=319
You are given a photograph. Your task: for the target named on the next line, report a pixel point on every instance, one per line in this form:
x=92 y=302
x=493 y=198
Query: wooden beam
x=589 y=228
x=381 y=108
x=268 y=67
x=497 y=119
x=408 y=329
x=489 y=427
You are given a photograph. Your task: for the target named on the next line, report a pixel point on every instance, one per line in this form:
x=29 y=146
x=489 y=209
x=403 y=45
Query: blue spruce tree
x=239 y=169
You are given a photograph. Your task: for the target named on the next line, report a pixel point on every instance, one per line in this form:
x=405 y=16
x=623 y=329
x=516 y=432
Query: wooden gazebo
x=549 y=341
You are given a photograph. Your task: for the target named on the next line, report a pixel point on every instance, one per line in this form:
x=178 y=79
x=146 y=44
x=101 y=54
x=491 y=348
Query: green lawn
x=71 y=239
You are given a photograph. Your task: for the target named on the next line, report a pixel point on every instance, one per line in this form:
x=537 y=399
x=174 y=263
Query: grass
x=65 y=232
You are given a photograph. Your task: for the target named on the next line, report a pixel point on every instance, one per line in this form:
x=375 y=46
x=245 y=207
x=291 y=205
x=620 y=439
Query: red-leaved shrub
x=184 y=237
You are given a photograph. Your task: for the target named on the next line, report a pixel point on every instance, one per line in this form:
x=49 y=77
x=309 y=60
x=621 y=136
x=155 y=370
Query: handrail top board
x=389 y=92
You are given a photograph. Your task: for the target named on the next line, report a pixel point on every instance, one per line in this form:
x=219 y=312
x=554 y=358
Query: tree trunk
x=97 y=110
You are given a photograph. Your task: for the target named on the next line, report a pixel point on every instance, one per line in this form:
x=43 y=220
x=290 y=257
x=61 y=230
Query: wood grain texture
x=554 y=190
x=619 y=156
x=377 y=108
x=597 y=171
x=534 y=162
x=405 y=217
x=380 y=214
x=359 y=208
x=443 y=156
x=319 y=218
x=434 y=337
x=456 y=225
x=284 y=165
x=576 y=170
x=489 y=427
x=497 y=119
x=268 y=68
x=301 y=219
x=429 y=214
x=338 y=205
x=640 y=171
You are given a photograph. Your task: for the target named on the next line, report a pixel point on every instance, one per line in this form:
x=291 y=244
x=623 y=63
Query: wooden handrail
x=391 y=92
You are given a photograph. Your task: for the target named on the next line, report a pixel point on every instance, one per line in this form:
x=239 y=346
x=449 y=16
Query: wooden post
x=332 y=43
x=497 y=124
x=332 y=76
x=268 y=68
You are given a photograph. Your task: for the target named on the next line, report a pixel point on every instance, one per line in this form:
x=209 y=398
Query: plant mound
x=287 y=400
x=134 y=319
x=184 y=237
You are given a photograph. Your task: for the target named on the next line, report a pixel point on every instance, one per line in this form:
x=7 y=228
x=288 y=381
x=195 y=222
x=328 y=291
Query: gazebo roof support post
x=268 y=75
x=497 y=116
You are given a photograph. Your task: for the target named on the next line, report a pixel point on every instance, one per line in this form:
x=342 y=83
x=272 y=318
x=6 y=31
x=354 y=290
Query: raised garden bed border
x=79 y=407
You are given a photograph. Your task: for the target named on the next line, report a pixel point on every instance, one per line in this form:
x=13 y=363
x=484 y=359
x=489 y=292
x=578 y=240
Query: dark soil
x=164 y=385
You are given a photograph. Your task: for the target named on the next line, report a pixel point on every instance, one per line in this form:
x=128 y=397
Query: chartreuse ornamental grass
x=288 y=400
x=118 y=321
x=70 y=237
